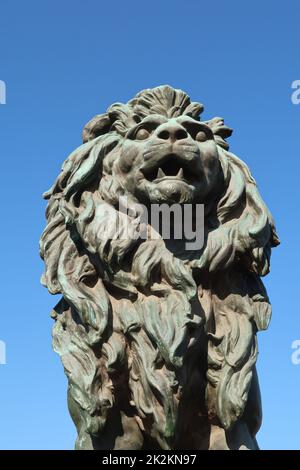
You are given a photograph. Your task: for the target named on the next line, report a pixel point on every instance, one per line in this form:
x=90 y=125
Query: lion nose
x=172 y=132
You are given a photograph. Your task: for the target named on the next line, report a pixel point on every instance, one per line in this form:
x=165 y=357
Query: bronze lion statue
x=158 y=342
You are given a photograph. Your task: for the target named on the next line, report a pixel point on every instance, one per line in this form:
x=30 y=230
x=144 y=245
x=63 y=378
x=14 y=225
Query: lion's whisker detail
x=157 y=336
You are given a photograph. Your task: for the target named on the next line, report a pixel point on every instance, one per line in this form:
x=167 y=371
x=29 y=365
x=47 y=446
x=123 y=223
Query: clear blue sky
x=63 y=62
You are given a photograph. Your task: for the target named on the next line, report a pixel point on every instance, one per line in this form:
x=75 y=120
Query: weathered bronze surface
x=158 y=342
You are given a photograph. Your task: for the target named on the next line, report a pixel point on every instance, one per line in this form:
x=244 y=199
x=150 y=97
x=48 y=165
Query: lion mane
x=152 y=342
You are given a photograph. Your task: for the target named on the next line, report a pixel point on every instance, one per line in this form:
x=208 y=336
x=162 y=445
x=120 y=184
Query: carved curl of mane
x=109 y=322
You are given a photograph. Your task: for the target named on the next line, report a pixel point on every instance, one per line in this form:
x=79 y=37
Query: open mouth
x=170 y=168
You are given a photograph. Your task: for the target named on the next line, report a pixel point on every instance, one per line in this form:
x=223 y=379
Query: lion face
x=168 y=160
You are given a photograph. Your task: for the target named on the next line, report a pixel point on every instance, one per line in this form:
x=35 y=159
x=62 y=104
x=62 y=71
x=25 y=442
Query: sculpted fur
x=158 y=342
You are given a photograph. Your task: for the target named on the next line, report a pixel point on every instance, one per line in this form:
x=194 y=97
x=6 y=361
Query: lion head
x=169 y=160
x=158 y=340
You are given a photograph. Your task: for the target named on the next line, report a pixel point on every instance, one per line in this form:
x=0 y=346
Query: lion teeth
x=180 y=173
x=160 y=173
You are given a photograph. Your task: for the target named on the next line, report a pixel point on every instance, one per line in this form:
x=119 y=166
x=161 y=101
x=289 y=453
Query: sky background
x=64 y=62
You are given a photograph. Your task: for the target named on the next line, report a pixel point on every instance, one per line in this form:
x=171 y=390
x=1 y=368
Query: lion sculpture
x=158 y=342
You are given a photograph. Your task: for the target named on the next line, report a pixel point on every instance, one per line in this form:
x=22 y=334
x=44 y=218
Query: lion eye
x=201 y=136
x=142 y=134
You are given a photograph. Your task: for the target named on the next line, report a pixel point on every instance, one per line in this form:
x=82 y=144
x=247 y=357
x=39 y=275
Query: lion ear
x=194 y=110
x=97 y=126
x=220 y=131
